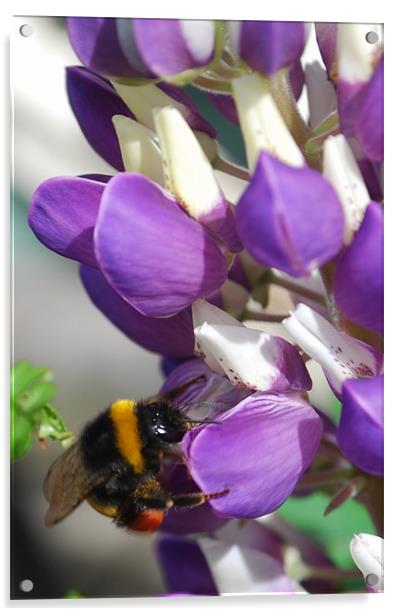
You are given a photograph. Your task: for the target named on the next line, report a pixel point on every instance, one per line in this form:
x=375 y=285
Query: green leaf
x=52 y=426
x=37 y=397
x=24 y=374
x=73 y=594
x=21 y=436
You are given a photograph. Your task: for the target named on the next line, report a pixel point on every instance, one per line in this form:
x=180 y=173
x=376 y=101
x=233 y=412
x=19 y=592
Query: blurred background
x=55 y=324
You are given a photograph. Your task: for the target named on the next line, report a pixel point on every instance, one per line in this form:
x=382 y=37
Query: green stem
x=335 y=575
x=317 y=479
x=225 y=165
x=253 y=315
x=293 y=287
x=212 y=85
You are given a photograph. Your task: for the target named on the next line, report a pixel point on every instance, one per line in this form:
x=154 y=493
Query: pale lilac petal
x=326 y=39
x=171 y=46
x=278 y=214
x=172 y=336
x=63 y=213
x=154 y=255
x=360 y=431
x=267 y=46
x=369 y=120
x=184 y=567
x=358 y=284
x=96 y=43
x=94 y=102
x=258 y=451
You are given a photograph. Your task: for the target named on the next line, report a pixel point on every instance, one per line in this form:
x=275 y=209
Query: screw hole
x=26 y=585
x=372 y=579
x=26 y=30
x=372 y=37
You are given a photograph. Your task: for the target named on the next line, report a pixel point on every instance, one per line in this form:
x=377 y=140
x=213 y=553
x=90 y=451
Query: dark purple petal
x=226 y=105
x=371 y=172
x=192 y=115
x=185 y=521
x=173 y=335
x=349 y=96
x=184 y=567
x=360 y=431
x=168 y=47
x=296 y=79
x=63 y=213
x=169 y=363
x=369 y=120
x=268 y=46
x=279 y=213
x=95 y=41
x=258 y=451
x=94 y=102
x=326 y=39
x=154 y=255
x=358 y=284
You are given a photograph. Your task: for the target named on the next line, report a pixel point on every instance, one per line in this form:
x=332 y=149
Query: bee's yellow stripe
x=127 y=435
x=109 y=510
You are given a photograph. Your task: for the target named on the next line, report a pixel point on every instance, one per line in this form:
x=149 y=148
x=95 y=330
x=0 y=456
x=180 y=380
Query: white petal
x=204 y=312
x=187 y=171
x=320 y=93
x=341 y=356
x=139 y=150
x=247 y=356
x=342 y=171
x=262 y=125
x=367 y=553
x=355 y=56
x=232 y=187
x=199 y=36
x=248 y=571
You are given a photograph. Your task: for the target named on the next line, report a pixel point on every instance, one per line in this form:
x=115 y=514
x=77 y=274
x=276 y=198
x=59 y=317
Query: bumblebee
x=116 y=462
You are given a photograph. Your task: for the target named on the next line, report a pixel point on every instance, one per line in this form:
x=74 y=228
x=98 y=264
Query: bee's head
x=165 y=422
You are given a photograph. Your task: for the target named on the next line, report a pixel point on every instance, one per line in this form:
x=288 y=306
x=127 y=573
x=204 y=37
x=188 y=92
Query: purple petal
x=184 y=567
x=358 y=284
x=171 y=46
x=268 y=46
x=95 y=41
x=360 y=431
x=296 y=79
x=63 y=213
x=225 y=104
x=185 y=521
x=192 y=116
x=169 y=363
x=371 y=173
x=326 y=39
x=369 y=120
x=154 y=255
x=173 y=336
x=279 y=213
x=259 y=451
x=94 y=102
x=349 y=95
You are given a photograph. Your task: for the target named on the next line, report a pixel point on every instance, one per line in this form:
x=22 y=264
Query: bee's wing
x=68 y=483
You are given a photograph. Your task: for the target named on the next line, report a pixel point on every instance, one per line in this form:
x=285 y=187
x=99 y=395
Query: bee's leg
x=183 y=501
x=172 y=451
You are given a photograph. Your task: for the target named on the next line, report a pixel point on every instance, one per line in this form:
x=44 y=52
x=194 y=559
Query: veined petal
x=171 y=46
x=258 y=451
x=358 y=283
x=360 y=430
x=279 y=212
x=267 y=46
x=341 y=170
x=63 y=213
x=262 y=125
x=139 y=149
x=341 y=356
x=149 y=265
x=97 y=45
x=369 y=121
x=367 y=553
x=94 y=102
x=188 y=175
x=253 y=359
x=173 y=336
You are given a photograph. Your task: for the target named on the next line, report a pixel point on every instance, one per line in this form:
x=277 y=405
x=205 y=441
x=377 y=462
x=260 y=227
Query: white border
x=310 y=10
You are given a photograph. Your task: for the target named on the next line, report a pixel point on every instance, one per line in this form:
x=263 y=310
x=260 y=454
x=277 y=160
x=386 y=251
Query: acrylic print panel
x=197 y=369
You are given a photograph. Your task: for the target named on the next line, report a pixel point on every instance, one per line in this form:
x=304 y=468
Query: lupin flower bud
x=367 y=553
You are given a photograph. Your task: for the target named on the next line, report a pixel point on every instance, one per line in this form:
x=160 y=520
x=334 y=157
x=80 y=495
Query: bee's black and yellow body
x=116 y=462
